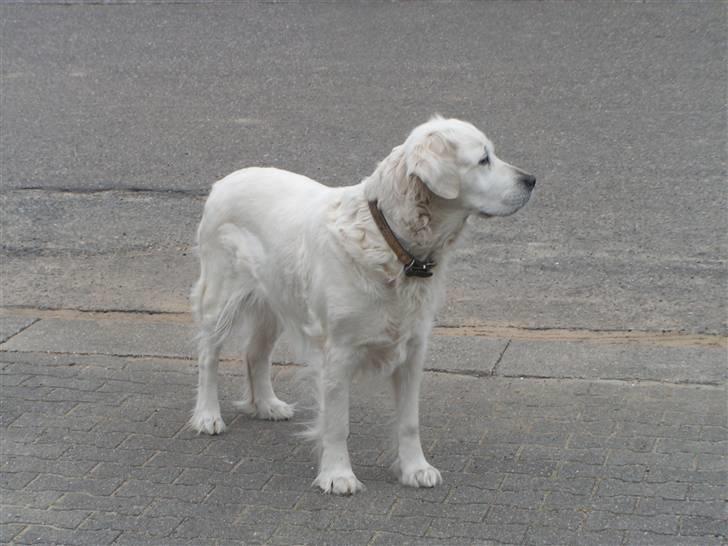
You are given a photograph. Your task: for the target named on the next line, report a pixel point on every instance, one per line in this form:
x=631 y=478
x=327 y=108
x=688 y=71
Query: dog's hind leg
x=262 y=329
x=215 y=308
x=206 y=416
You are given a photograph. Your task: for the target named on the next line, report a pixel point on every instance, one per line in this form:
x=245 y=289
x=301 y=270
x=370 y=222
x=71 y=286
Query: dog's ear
x=431 y=161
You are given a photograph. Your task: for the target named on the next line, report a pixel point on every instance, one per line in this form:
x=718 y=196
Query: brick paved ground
x=95 y=451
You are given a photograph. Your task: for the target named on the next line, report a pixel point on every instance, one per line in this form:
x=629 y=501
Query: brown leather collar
x=412 y=266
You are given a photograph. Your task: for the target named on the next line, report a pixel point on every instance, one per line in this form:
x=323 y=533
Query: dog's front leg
x=335 y=473
x=414 y=470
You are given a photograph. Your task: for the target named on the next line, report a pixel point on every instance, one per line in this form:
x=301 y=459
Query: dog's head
x=458 y=163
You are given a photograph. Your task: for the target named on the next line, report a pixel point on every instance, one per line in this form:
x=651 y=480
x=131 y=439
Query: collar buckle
x=416 y=268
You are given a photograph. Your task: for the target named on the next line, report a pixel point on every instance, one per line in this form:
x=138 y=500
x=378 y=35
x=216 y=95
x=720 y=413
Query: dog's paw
x=272 y=410
x=421 y=476
x=209 y=422
x=341 y=482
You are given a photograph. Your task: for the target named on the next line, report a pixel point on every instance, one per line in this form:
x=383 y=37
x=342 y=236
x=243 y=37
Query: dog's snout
x=528 y=180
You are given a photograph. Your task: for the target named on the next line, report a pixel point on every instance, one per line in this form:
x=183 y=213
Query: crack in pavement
x=112 y=189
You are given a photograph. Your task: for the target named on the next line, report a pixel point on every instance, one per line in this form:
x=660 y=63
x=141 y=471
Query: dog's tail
x=215 y=308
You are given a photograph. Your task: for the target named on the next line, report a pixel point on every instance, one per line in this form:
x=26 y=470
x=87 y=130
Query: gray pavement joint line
x=686 y=382
x=466 y=373
x=91 y=314
x=485 y=330
x=23 y=329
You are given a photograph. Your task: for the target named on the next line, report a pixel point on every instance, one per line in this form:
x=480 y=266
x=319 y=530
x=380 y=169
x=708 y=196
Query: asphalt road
x=619 y=109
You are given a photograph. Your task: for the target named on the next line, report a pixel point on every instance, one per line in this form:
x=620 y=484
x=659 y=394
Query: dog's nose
x=528 y=180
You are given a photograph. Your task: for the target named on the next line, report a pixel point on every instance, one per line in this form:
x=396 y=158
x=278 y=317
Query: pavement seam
x=464 y=373
x=487 y=330
x=23 y=329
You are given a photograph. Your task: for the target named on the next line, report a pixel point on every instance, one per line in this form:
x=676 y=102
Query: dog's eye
x=484 y=161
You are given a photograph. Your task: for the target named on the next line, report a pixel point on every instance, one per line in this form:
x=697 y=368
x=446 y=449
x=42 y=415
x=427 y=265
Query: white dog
x=354 y=273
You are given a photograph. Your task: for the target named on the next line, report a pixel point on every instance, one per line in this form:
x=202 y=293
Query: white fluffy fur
x=281 y=252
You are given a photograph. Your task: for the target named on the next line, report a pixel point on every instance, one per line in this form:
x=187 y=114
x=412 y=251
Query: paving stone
x=29 y=499
x=413 y=526
x=222 y=513
x=134 y=457
x=461 y=512
x=132 y=538
x=108 y=440
x=139 y=488
x=484 y=480
x=710 y=461
x=682 y=461
x=612 y=488
x=542 y=535
x=384 y=538
x=520 y=482
x=704 y=526
x=448 y=528
x=599 y=521
x=272 y=499
x=49 y=482
x=13 y=379
x=628 y=473
x=707 y=492
x=672 y=445
x=712 y=509
x=317 y=519
x=30 y=399
x=581 y=441
x=288 y=534
x=151 y=526
x=688 y=476
x=16 y=480
x=132 y=506
x=40 y=534
x=615 y=504
x=655 y=539
x=564 y=519
x=7 y=532
x=464 y=494
x=193 y=476
x=247 y=534
x=143 y=473
x=38 y=423
x=68 y=519
x=714 y=433
x=586 y=456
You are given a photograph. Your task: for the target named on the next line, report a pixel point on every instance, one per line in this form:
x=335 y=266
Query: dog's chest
x=398 y=323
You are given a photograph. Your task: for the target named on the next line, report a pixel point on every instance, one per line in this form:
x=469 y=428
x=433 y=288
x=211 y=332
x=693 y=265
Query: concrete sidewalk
x=615 y=442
